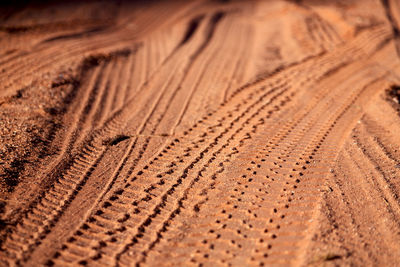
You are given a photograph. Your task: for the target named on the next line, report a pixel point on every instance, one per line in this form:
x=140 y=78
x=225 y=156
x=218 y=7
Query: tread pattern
x=177 y=143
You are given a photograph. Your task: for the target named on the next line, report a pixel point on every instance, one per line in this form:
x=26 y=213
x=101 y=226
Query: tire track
x=252 y=162
x=133 y=142
x=141 y=198
x=75 y=48
x=63 y=191
x=389 y=188
x=70 y=145
x=274 y=142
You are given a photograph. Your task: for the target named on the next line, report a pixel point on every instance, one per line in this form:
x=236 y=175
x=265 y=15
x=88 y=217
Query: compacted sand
x=204 y=133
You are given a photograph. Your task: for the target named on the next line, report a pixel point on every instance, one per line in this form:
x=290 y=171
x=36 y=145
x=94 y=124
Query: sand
x=200 y=133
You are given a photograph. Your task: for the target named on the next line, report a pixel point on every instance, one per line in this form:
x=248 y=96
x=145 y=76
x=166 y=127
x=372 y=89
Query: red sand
x=207 y=133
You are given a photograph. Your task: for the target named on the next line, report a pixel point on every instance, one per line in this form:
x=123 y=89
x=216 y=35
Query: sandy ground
x=200 y=133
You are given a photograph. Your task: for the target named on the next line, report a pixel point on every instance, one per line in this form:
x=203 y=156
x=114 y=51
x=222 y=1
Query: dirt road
x=204 y=133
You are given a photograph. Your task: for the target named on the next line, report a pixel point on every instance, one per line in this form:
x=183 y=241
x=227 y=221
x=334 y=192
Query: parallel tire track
x=167 y=153
x=120 y=194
